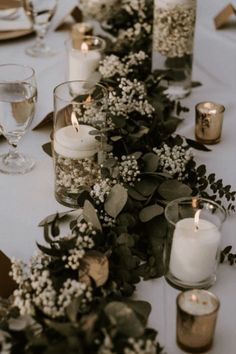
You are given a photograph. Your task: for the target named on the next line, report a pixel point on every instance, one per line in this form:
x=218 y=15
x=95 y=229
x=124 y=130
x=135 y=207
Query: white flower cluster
x=173 y=31
x=113 y=65
x=83 y=243
x=173 y=160
x=129 y=169
x=97 y=9
x=106 y=220
x=132 y=6
x=71 y=290
x=36 y=290
x=100 y=190
x=131 y=99
x=132 y=33
x=71 y=174
x=92 y=114
x=139 y=346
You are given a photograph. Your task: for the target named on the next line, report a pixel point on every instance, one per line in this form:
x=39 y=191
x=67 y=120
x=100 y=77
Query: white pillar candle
x=75 y=143
x=194 y=250
x=198 y=302
x=83 y=63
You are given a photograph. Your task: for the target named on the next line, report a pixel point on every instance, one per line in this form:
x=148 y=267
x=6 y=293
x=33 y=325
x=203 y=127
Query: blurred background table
x=27 y=199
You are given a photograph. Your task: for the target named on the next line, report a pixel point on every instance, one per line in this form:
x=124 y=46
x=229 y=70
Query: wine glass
x=40 y=13
x=18 y=95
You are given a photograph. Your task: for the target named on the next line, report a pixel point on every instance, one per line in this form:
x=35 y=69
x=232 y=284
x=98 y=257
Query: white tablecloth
x=27 y=199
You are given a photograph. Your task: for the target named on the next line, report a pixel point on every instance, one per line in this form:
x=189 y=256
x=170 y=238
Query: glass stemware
x=18 y=95
x=40 y=12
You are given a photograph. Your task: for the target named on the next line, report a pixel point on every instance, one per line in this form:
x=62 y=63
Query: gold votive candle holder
x=78 y=31
x=196 y=320
x=208 y=122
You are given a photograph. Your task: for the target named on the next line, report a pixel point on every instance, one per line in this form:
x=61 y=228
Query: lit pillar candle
x=194 y=250
x=75 y=143
x=83 y=61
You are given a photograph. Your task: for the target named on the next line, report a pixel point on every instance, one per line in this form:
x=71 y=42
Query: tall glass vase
x=173 y=36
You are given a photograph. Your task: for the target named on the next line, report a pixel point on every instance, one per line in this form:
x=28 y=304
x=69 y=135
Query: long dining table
x=26 y=199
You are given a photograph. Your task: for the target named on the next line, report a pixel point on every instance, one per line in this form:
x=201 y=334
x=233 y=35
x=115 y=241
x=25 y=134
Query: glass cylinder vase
x=78 y=138
x=173 y=36
x=193 y=245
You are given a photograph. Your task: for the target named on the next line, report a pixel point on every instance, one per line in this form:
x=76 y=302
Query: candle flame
x=74 y=121
x=88 y=99
x=196 y=219
x=84 y=47
x=194 y=297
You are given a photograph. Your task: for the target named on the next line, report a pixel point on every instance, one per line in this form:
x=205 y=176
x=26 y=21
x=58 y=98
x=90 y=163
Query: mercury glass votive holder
x=208 y=122
x=197 y=312
x=79 y=138
x=192 y=249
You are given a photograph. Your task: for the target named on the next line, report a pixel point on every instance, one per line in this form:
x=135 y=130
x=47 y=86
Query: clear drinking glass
x=79 y=138
x=40 y=12
x=18 y=95
x=193 y=244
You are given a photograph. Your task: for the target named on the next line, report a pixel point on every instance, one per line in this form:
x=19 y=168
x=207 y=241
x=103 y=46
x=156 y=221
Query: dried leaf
x=96 y=266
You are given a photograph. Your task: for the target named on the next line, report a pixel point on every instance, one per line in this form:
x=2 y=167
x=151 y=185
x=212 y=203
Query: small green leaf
x=196 y=145
x=49 y=219
x=116 y=200
x=147 y=186
x=136 y=195
x=151 y=161
x=90 y=215
x=150 y=212
x=124 y=319
x=173 y=189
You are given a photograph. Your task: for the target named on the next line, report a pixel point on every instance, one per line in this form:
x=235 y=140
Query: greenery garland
x=74 y=294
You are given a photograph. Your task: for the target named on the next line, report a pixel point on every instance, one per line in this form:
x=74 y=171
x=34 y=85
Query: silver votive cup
x=196 y=320
x=208 y=122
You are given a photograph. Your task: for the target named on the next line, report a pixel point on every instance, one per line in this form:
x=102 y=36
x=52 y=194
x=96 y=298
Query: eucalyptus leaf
x=147 y=186
x=116 y=200
x=141 y=308
x=124 y=319
x=49 y=219
x=196 y=145
x=151 y=161
x=90 y=215
x=173 y=189
x=150 y=212
x=136 y=195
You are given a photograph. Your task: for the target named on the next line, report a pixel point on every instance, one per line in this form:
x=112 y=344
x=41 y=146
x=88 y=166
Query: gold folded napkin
x=20 y=23
x=75 y=15
x=9 y=4
x=224 y=15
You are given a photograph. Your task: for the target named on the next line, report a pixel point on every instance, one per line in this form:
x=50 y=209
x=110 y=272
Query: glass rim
x=88 y=36
x=20 y=66
x=220 y=106
x=179 y=200
x=215 y=297
x=66 y=83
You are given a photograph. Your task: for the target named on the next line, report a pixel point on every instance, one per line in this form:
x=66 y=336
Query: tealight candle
x=196 y=320
x=209 y=120
x=83 y=61
x=194 y=250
